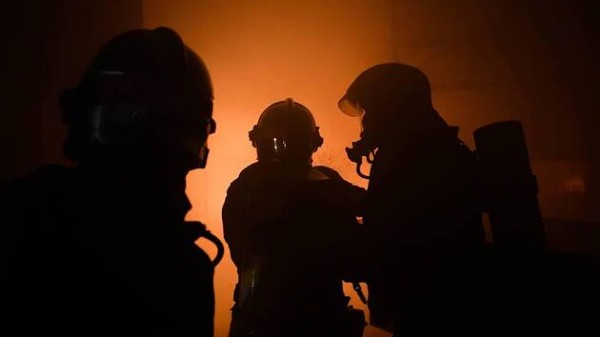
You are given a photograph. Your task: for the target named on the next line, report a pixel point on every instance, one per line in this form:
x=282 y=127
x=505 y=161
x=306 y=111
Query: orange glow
x=260 y=53
x=483 y=68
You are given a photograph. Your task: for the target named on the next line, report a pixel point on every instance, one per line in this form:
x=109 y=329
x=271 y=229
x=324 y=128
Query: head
x=144 y=101
x=392 y=99
x=286 y=132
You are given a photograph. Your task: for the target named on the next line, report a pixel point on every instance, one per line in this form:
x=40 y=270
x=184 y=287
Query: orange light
x=260 y=53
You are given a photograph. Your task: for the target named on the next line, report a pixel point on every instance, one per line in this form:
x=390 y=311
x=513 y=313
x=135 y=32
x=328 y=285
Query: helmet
x=286 y=131
x=145 y=89
x=389 y=84
x=390 y=98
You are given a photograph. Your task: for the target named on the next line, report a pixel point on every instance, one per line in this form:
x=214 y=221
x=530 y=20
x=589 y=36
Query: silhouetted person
x=421 y=208
x=103 y=247
x=291 y=228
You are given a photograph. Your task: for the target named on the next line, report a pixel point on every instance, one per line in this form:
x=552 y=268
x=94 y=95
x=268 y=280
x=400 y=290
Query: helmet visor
x=273 y=149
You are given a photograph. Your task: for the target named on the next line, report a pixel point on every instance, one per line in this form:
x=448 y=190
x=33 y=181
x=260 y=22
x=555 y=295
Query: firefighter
x=291 y=228
x=421 y=210
x=102 y=247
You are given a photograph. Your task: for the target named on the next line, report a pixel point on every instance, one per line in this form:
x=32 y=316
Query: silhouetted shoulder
x=29 y=197
x=26 y=204
x=340 y=193
x=43 y=175
x=251 y=175
x=50 y=178
x=42 y=187
x=266 y=174
x=250 y=171
x=11 y=189
x=329 y=172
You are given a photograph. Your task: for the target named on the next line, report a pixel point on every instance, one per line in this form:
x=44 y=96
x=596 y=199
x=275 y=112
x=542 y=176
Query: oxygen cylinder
x=509 y=188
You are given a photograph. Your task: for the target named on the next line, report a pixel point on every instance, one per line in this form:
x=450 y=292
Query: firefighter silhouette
x=290 y=227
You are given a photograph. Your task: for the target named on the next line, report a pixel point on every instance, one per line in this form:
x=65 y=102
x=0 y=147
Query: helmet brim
x=349 y=108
